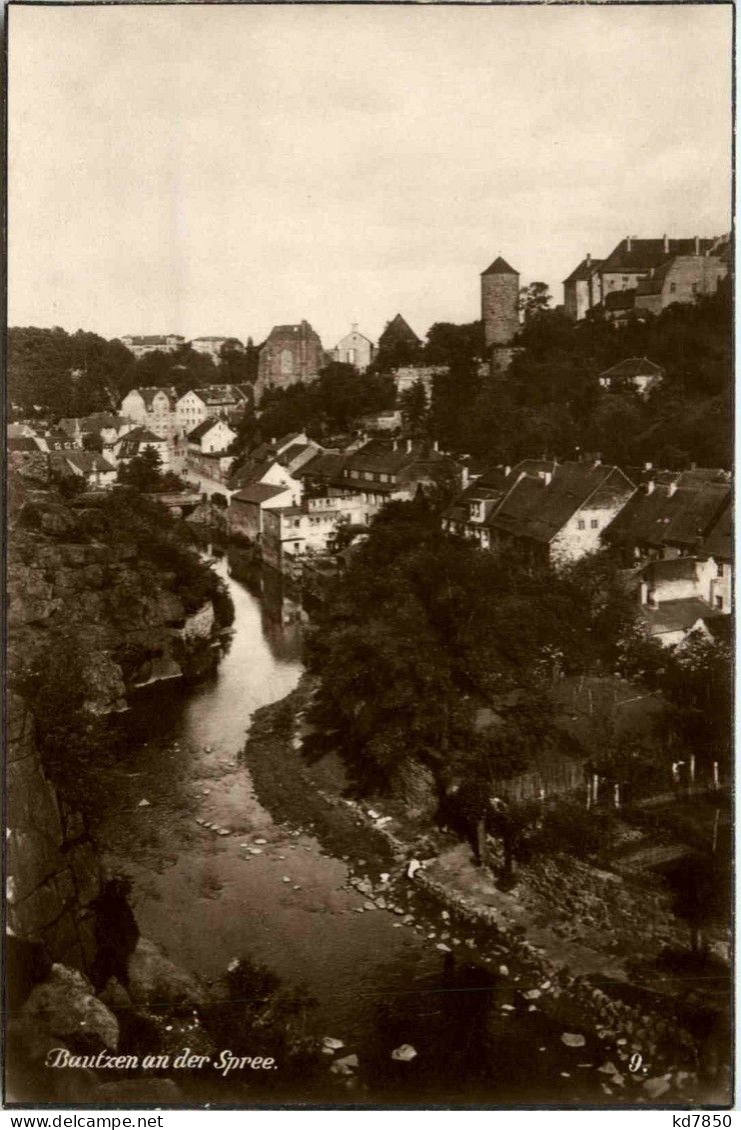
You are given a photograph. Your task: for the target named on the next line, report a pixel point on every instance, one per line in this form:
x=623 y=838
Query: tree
x=142 y=472
x=413 y=405
x=534 y=299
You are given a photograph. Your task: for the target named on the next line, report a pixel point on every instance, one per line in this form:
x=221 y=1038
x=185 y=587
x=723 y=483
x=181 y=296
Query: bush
x=569 y=827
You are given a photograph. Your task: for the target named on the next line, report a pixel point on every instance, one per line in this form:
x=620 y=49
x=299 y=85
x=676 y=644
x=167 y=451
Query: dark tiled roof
x=398 y=330
x=539 y=510
x=219 y=394
x=678 y=615
x=658 y=518
x=85 y=461
x=586 y=268
x=323 y=466
x=148 y=394
x=647 y=253
x=719 y=541
x=203 y=429
x=633 y=367
x=500 y=267
x=293 y=452
x=258 y=492
x=22 y=443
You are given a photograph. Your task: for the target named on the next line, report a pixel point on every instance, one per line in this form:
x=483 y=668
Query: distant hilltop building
x=354 y=349
x=646 y=275
x=397 y=332
x=212 y=346
x=290 y=354
x=165 y=343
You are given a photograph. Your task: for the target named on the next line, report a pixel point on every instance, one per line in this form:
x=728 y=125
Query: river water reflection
x=205 y=899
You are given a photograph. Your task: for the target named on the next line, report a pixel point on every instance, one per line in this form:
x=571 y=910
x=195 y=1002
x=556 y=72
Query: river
x=206 y=899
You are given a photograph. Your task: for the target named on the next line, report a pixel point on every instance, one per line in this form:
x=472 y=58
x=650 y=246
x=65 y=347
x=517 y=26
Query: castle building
x=290 y=354
x=500 y=297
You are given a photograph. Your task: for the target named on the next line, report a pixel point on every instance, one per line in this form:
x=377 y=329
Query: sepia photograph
x=369 y=567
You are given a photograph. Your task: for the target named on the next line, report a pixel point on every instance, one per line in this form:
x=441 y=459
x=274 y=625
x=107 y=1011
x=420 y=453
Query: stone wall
x=53 y=875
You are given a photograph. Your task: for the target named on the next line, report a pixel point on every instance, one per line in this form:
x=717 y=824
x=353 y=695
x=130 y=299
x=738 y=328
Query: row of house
x=642 y=276
x=671 y=530
x=212 y=346
x=170 y=415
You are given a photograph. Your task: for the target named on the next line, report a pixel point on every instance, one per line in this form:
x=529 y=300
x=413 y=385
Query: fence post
x=716 y=776
x=616 y=796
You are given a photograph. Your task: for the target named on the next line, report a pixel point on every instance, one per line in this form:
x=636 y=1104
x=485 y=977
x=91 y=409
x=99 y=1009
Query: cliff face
x=73 y=574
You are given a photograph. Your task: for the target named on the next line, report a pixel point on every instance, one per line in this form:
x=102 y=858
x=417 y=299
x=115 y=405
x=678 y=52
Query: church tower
x=500 y=294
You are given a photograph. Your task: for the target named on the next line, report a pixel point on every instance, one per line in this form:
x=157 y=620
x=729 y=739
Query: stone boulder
x=65 y=1006
x=155 y=980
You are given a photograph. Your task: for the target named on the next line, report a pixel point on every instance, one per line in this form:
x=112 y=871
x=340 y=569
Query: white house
x=354 y=349
x=163 y=343
x=210 y=402
x=211 y=437
x=136 y=442
x=212 y=346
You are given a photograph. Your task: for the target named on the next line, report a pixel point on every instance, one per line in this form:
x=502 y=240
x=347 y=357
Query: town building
x=152 y=408
x=381 y=471
x=386 y=421
x=398 y=341
x=634 y=264
x=248 y=507
x=97 y=472
x=291 y=533
x=290 y=354
x=406 y=376
x=101 y=428
x=669 y=518
x=354 y=349
x=212 y=346
x=637 y=373
x=289 y=451
x=137 y=441
x=550 y=511
x=162 y=343
x=210 y=402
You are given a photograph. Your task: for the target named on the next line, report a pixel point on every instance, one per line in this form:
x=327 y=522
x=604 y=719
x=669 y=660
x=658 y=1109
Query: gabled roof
x=673 y=569
x=258 y=492
x=398 y=329
x=325 y=465
x=539 y=506
x=646 y=253
x=205 y=427
x=148 y=394
x=142 y=435
x=633 y=367
x=87 y=462
x=215 y=395
x=500 y=267
x=585 y=269
x=680 y=516
x=22 y=443
x=678 y=615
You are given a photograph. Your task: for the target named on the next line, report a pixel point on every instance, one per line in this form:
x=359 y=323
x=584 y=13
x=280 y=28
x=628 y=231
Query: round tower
x=500 y=295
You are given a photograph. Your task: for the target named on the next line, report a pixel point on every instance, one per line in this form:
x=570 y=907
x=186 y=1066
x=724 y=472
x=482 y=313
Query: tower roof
x=500 y=267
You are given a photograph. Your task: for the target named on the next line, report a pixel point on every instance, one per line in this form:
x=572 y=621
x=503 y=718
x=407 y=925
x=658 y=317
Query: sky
x=217 y=170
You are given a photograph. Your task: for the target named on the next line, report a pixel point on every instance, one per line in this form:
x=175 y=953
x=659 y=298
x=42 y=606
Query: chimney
x=650 y=486
x=648 y=466
x=629 y=242
x=589 y=258
x=666 y=244
x=643 y=598
x=409 y=447
x=672 y=490
x=464 y=476
x=697 y=245
x=435 y=445
x=395 y=445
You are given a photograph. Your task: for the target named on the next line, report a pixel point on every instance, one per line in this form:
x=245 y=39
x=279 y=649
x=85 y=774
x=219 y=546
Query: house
x=248 y=506
x=212 y=346
x=137 y=441
x=628 y=264
x=685 y=278
x=717 y=550
x=293 y=532
x=94 y=469
x=102 y=428
x=163 y=343
x=380 y=471
x=552 y=511
x=56 y=439
x=207 y=450
x=676 y=599
x=582 y=289
x=210 y=402
x=637 y=372
x=354 y=349
x=668 y=519
x=290 y=353
x=263 y=456
x=16 y=431
x=152 y=408
x=24 y=444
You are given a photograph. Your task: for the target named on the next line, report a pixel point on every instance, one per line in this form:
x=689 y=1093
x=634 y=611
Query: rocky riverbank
x=642 y=1044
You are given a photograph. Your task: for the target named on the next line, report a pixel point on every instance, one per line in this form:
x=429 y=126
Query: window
x=695 y=288
x=580 y=525
x=719 y=603
x=672 y=288
x=384 y=477
x=594 y=524
x=369 y=476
